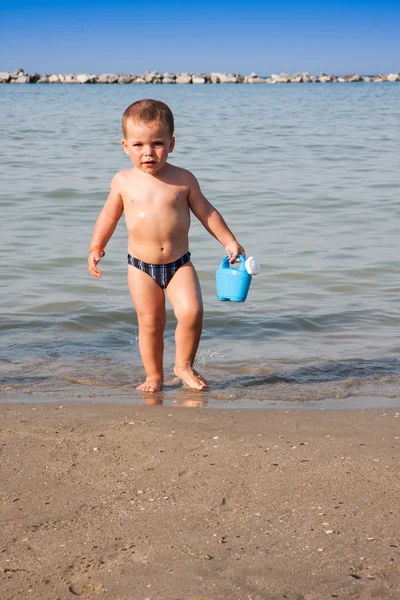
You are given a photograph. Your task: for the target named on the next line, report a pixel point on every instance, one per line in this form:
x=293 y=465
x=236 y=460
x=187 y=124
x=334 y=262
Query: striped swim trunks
x=162 y=274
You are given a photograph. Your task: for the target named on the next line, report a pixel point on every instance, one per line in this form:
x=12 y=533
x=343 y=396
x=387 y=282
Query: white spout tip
x=252 y=266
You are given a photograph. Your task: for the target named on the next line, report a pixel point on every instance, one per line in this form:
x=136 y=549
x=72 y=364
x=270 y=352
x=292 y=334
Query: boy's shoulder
x=183 y=175
x=123 y=174
x=121 y=178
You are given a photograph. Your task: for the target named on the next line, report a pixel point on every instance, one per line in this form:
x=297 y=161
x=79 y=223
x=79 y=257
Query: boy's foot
x=191 y=377
x=152 y=384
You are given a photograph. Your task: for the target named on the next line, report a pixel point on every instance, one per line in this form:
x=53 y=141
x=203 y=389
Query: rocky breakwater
x=19 y=76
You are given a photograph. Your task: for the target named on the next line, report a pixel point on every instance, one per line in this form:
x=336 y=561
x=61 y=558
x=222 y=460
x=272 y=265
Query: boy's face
x=148 y=145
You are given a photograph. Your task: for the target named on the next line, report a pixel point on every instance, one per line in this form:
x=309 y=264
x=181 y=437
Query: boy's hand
x=233 y=249
x=94 y=257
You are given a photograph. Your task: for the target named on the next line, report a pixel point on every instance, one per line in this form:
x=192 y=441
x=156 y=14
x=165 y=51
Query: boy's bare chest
x=155 y=198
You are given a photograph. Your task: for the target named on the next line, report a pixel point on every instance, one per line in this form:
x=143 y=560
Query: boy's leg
x=184 y=293
x=149 y=301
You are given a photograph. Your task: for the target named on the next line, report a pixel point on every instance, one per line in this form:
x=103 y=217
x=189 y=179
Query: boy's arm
x=212 y=220
x=105 y=225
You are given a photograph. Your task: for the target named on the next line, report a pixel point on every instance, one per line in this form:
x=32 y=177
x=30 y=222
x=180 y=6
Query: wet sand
x=163 y=503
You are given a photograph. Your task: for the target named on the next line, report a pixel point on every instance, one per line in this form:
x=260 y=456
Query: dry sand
x=151 y=502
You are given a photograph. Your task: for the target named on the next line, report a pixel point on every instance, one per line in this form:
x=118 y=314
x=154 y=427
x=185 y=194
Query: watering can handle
x=226 y=265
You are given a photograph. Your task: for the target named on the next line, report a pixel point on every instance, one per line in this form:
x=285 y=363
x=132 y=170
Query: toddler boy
x=157 y=199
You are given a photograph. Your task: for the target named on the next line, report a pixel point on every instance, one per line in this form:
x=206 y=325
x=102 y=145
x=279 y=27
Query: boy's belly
x=156 y=240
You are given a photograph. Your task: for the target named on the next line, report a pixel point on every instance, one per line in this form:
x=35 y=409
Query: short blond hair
x=148 y=111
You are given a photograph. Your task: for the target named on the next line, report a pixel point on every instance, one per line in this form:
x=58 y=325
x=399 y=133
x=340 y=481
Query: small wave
x=350 y=372
x=62 y=193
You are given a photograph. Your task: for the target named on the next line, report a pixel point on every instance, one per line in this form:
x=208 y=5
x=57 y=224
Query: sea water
x=307 y=177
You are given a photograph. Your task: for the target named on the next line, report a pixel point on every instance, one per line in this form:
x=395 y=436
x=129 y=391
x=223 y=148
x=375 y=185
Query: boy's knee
x=191 y=317
x=152 y=324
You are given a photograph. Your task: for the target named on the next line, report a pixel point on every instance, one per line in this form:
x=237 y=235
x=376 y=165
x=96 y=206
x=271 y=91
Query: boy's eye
x=137 y=144
x=159 y=143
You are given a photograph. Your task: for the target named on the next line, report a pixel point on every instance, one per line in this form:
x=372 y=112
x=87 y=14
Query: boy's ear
x=124 y=144
x=172 y=144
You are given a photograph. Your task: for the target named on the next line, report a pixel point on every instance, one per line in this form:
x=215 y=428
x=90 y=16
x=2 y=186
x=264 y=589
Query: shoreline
x=203 y=400
x=153 y=77
x=159 y=503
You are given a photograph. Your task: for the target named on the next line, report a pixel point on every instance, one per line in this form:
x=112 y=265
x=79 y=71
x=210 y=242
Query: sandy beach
x=161 y=503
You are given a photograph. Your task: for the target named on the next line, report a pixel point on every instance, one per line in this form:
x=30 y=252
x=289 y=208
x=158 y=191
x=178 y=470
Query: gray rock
x=350 y=77
x=69 y=78
x=16 y=73
x=43 y=79
x=198 y=78
x=183 y=78
x=355 y=78
x=85 y=78
x=107 y=78
x=324 y=78
x=168 y=79
x=21 y=79
x=124 y=78
x=138 y=80
x=53 y=79
x=254 y=80
x=169 y=75
x=283 y=77
x=393 y=77
x=227 y=78
x=151 y=77
x=4 y=77
x=367 y=79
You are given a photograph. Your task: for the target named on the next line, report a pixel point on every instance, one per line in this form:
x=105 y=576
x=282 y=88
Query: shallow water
x=307 y=177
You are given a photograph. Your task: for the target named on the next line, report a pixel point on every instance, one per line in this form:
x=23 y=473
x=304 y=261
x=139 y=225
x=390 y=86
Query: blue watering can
x=232 y=283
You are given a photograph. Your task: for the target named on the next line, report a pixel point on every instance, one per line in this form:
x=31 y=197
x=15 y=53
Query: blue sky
x=262 y=36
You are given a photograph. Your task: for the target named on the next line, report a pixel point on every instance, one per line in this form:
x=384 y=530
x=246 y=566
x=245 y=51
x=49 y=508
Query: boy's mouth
x=149 y=162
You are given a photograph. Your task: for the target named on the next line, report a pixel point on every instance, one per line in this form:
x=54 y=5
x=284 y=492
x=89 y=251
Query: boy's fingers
x=95 y=272
x=92 y=266
x=233 y=258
